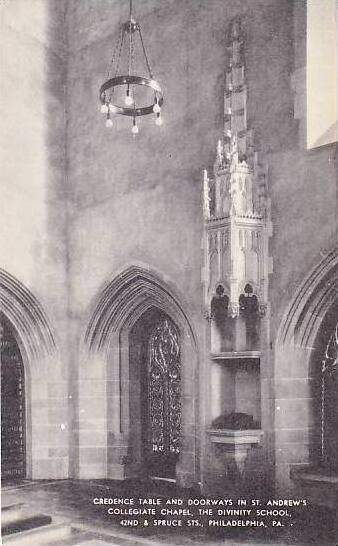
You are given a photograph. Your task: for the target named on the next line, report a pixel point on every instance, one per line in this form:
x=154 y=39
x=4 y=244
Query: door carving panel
x=13 y=466
x=163 y=390
x=329 y=404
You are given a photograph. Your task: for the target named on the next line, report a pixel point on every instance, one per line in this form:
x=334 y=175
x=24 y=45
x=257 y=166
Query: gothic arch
x=27 y=316
x=108 y=362
x=44 y=384
x=296 y=368
x=312 y=300
x=123 y=300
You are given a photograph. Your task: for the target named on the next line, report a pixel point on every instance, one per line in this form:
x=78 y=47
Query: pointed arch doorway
x=324 y=369
x=156 y=364
x=121 y=337
x=304 y=353
x=13 y=410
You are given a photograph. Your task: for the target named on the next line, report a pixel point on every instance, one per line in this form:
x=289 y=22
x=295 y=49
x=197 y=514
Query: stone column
x=186 y=472
x=92 y=416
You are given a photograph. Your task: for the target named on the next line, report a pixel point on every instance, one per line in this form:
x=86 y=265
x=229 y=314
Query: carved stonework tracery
x=329 y=412
x=13 y=456
x=235 y=197
x=164 y=389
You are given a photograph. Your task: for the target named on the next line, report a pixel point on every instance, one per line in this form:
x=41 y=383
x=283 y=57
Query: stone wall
x=83 y=203
x=33 y=215
x=138 y=200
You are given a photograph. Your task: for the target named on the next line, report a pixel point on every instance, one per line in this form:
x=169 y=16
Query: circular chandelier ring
x=132 y=80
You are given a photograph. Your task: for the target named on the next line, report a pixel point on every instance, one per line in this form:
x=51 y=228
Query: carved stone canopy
x=236 y=206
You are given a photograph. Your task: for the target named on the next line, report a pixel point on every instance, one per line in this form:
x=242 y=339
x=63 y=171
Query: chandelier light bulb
x=156 y=108
x=128 y=100
x=134 y=128
x=159 y=120
x=109 y=123
x=104 y=109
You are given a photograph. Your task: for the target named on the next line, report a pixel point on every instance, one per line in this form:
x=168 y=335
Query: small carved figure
x=249 y=309
x=219 y=305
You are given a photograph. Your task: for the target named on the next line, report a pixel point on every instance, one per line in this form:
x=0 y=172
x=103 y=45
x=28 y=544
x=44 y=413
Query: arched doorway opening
x=324 y=369
x=32 y=373
x=155 y=355
x=137 y=317
x=304 y=378
x=13 y=406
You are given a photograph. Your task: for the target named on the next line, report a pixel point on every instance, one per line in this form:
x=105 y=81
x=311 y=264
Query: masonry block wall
x=33 y=210
x=84 y=203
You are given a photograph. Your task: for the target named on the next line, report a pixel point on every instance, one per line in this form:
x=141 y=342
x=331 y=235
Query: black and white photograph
x=168 y=273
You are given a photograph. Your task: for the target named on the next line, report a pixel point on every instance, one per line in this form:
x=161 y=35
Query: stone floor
x=71 y=502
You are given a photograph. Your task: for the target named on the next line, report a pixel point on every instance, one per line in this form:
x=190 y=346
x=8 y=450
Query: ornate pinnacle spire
x=219 y=149
x=206 y=196
x=238 y=183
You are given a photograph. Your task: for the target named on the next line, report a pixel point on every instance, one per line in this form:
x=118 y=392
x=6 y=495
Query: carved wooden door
x=163 y=388
x=329 y=404
x=13 y=465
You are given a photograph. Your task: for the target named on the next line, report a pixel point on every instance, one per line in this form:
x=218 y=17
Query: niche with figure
x=249 y=321
x=221 y=327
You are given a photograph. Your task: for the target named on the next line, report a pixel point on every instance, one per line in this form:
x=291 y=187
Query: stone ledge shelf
x=316 y=484
x=236 y=437
x=235 y=445
x=234 y=355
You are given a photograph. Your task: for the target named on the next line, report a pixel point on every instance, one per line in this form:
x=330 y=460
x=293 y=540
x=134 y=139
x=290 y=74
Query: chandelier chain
x=132 y=65
x=117 y=44
x=145 y=53
x=119 y=53
x=130 y=51
x=120 y=45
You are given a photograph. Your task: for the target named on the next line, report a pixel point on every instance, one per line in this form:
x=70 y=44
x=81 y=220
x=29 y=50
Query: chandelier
x=126 y=91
